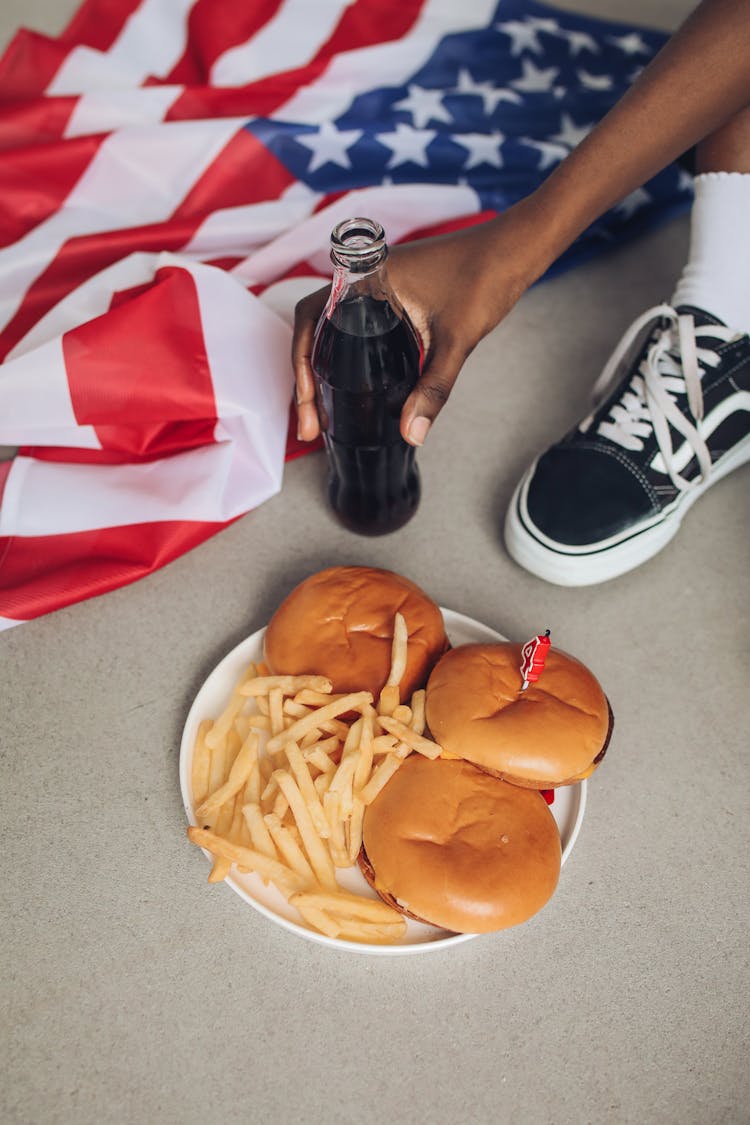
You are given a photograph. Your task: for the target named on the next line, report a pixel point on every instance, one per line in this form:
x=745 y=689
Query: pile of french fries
x=282 y=778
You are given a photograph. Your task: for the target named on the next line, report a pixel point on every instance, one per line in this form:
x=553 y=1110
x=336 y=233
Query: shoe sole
x=587 y=567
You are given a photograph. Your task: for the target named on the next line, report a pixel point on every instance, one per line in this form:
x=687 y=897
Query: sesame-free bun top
x=339 y=623
x=551 y=734
x=451 y=845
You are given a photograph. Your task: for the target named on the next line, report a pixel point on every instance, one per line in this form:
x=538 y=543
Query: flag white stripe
x=388 y=64
x=238 y=230
x=137 y=176
x=400 y=208
x=105 y=110
x=290 y=39
x=35 y=403
x=152 y=40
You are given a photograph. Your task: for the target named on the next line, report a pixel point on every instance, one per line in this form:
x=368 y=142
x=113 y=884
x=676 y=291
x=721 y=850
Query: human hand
x=455 y=289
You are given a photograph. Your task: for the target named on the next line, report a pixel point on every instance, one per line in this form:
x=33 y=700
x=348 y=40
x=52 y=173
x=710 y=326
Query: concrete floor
x=134 y=992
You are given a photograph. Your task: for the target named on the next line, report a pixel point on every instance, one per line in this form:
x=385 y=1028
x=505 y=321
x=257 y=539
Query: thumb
x=430 y=395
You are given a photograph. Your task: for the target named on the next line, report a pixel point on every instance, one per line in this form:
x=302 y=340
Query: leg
x=728 y=149
x=667 y=424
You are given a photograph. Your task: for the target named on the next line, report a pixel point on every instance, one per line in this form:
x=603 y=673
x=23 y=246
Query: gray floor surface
x=134 y=992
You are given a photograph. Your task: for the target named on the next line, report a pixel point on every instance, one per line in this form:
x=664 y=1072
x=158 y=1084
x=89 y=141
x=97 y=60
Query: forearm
x=699 y=80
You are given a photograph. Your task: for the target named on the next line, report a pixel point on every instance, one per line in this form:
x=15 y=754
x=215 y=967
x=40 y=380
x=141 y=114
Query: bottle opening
x=358 y=244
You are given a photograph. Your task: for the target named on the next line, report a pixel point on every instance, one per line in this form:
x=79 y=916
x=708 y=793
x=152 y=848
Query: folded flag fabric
x=170 y=174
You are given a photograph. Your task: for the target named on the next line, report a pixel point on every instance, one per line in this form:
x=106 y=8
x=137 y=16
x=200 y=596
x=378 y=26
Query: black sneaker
x=664 y=428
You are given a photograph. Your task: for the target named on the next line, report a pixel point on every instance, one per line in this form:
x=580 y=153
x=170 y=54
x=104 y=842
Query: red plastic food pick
x=534 y=654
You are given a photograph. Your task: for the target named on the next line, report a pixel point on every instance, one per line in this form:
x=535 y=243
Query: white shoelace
x=673 y=365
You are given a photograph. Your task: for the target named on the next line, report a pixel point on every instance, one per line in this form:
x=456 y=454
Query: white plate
x=567 y=808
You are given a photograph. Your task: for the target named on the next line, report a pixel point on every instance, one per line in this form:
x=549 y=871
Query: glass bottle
x=366 y=361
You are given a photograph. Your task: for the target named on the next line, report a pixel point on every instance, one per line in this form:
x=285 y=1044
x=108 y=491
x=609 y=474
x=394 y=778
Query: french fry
x=201 y=767
x=238 y=775
x=342 y=783
x=352 y=702
x=416 y=741
x=282 y=876
x=275 y=710
x=321 y=783
x=280 y=806
x=297 y=710
x=319 y=920
x=354 y=829
x=289 y=685
x=288 y=848
x=304 y=780
x=310 y=739
x=259 y=834
x=398 y=651
x=364 y=763
x=220 y=870
x=317 y=853
x=221 y=727
x=373 y=933
x=403 y=714
x=383 y=744
x=242 y=726
x=381 y=775
x=337 y=837
x=260 y=722
x=251 y=796
x=417 y=711
x=389 y=699
x=310 y=698
x=349 y=905
x=319 y=759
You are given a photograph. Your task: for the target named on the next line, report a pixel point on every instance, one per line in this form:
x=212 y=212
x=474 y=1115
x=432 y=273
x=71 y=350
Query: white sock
x=717 y=275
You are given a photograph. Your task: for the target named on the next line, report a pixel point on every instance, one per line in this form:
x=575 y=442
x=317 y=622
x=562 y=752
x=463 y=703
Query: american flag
x=171 y=171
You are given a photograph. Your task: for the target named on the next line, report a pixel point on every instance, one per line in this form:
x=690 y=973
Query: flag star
x=594 y=81
x=523 y=36
x=581 y=41
x=559 y=91
x=631 y=203
x=483 y=148
x=636 y=74
x=571 y=134
x=424 y=105
x=407 y=144
x=491 y=95
x=550 y=153
x=552 y=27
x=631 y=44
x=328 y=145
x=533 y=79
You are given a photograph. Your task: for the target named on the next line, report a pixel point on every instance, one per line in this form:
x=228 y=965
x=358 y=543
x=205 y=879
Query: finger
x=429 y=396
x=306 y=315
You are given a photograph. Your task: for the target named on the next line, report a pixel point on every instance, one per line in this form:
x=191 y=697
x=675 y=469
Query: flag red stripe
x=39 y=574
x=36 y=179
x=33 y=121
x=214 y=26
x=244 y=172
x=29 y=64
x=97 y=23
x=358 y=27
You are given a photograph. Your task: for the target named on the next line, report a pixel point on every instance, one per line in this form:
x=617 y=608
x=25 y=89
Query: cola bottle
x=366 y=361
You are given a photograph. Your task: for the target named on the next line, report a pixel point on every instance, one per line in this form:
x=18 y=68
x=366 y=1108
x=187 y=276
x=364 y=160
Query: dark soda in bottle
x=366 y=361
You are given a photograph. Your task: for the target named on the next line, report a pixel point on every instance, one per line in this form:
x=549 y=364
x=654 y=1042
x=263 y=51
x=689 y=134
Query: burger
x=448 y=844
x=339 y=623
x=555 y=732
